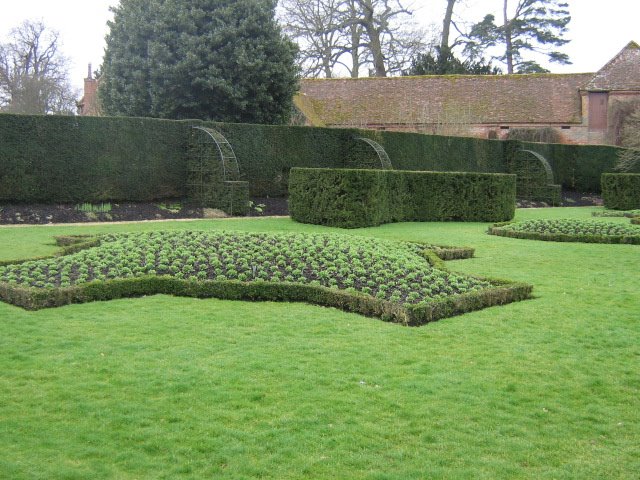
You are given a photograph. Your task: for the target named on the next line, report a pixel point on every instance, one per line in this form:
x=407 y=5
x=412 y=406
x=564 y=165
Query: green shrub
x=351 y=198
x=96 y=159
x=266 y=153
x=621 y=191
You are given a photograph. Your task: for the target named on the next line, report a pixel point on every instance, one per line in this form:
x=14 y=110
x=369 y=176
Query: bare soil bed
x=16 y=214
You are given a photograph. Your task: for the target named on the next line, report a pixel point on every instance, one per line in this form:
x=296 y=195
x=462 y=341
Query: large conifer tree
x=526 y=26
x=224 y=60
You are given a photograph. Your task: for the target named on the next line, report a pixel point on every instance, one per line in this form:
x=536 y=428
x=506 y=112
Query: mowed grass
x=164 y=387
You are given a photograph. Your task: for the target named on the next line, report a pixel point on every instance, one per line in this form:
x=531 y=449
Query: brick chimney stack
x=88 y=105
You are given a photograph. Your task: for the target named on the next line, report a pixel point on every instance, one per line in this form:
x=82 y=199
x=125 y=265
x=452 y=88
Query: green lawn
x=164 y=387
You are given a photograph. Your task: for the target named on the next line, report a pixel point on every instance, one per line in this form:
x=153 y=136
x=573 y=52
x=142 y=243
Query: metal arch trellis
x=230 y=168
x=543 y=161
x=385 y=161
x=534 y=178
x=212 y=168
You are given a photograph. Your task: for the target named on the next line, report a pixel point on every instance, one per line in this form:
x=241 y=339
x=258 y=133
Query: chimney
x=88 y=105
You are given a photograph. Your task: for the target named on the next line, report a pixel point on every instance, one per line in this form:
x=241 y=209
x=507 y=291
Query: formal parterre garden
x=246 y=349
x=220 y=387
x=383 y=268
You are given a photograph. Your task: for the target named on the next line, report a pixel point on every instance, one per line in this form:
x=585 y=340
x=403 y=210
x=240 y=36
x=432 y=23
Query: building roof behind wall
x=509 y=99
x=621 y=73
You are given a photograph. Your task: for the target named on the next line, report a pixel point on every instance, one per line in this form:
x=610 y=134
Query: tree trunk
x=326 y=62
x=446 y=28
x=355 y=50
x=376 y=50
x=356 y=36
x=507 y=38
x=368 y=22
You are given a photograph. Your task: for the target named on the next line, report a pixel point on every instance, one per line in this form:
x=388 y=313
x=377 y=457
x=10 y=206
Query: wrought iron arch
x=543 y=161
x=213 y=173
x=534 y=178
x=385 y=161
x=229 y=162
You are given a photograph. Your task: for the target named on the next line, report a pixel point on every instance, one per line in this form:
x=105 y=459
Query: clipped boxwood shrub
x=352 y=198
x=621 y=191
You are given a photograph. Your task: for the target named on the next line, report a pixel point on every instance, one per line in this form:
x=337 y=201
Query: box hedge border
x=497 y=230
x=501 y=293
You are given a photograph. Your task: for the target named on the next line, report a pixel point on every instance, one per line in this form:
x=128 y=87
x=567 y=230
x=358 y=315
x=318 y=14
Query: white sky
x=598 y=30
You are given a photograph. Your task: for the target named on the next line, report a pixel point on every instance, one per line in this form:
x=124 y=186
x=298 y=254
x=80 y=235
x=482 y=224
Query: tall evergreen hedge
x=76 y=159
x=267 y=153
x=578 y=167
x=353 y=198
x=621 y=191
x=87 y=159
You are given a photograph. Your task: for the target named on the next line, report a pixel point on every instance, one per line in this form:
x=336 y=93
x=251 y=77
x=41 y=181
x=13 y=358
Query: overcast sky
x=598 y=30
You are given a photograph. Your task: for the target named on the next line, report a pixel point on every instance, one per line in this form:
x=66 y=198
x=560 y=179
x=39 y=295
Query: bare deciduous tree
x=315 y=24
x=33 y=72
x=352 y=34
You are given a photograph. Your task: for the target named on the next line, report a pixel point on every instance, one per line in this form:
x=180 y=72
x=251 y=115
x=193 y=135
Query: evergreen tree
x=224 y=60
x=448 y=64
x=534 y=26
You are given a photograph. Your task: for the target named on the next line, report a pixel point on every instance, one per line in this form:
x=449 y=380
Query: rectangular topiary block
x=352 y=198
x=621 y=191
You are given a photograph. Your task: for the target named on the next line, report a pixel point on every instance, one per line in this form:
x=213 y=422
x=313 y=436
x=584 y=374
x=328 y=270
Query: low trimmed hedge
x=621 y=191
x=353 y=198
x=502 y=293
x=543 y=230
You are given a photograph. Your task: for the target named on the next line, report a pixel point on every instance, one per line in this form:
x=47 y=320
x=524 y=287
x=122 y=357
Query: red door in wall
x=598 y=103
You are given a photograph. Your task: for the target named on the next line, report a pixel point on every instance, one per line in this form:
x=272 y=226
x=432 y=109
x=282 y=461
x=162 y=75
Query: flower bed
x=398 y=281
x=617 y=213
x=565 y=230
